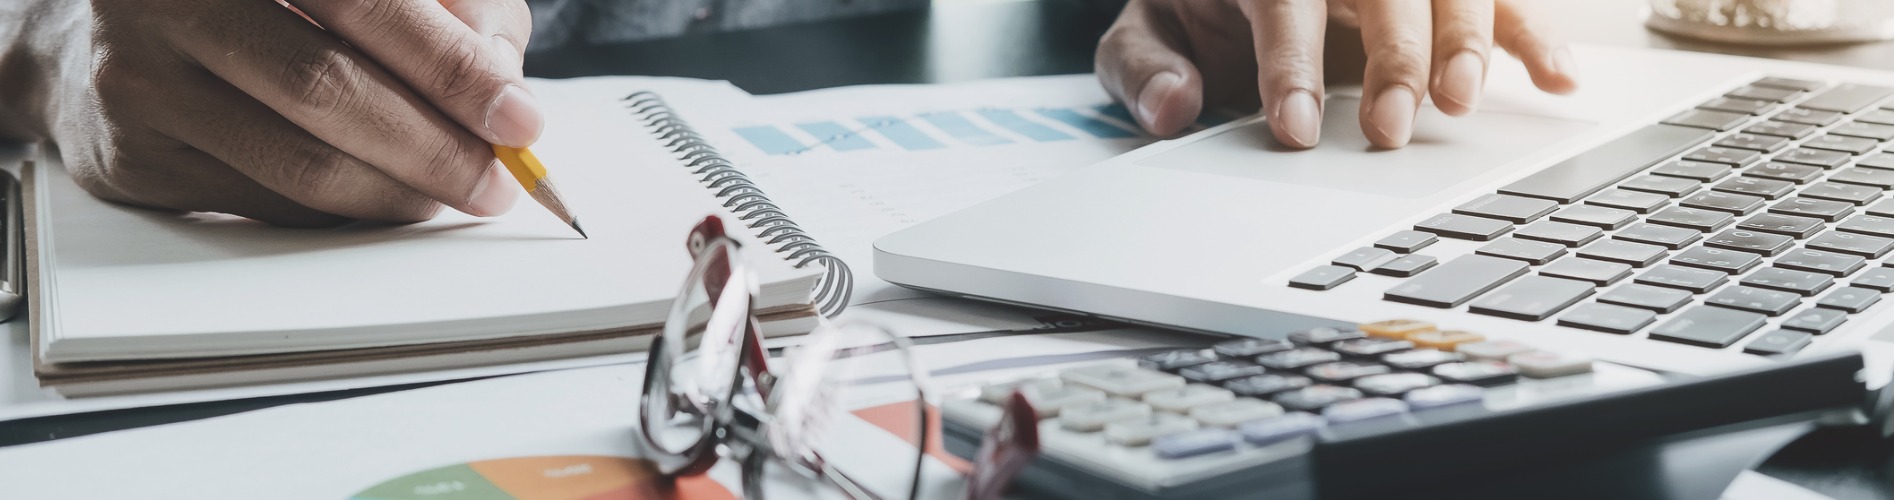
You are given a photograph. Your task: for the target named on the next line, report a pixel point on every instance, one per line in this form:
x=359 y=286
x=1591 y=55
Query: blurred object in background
x=1775 y=22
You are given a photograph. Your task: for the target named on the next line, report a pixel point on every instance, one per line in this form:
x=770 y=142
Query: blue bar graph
x=1119 y=112
x=770 y=140
x=900 y=132
x=954 y=124
x=836 y=136
x=1093 y=126
x=1016 y=123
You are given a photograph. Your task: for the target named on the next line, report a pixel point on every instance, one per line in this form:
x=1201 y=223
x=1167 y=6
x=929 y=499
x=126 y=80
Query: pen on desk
x=528 y=171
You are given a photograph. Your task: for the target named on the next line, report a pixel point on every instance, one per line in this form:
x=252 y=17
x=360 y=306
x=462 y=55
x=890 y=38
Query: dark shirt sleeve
x=571 y=23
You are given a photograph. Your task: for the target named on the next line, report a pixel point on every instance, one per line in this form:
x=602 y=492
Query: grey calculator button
x=1712 y=120
x=1726 y=156
x=1682 y=178
x=1709 y=326
x=1847 y=98
x=1315 y=397
x=1805 y=283
x=1845 y=144
x=1869 y=131
x=1344 y=371
x=1807 y=117
x=1849 y=193
x=1879 y=278
x=1781 y=129
x=1635 y=201
x=1260 y=386
x=1234 y=412
x=1419 y=359
x=1799 y=174
x=1786 y=225
x=1533 y=298
x=1175 y=360
x=1883 y=208
x=1764 y=93
x=1607 y=318
x=1865 y=176
x=1405 y=266
x=1817 y=261
x=1297 y=358
x=1181 y=399
x=1562 y=233
x=1220 y=371
x=1091 y=417
x=1734 y=204
x=1816 y=157
x=1364 y=410
x=1267 y=431
x=1816 y=320
x=1140 y=432
x=1683 y=278
x=1675 y=238
x=1764 y=244
x=1752 y=142
x=1756 y=300
x=1516 y=209
x=1870 y=225
x=1737 y=105
x=1249 y=348
x=1322 y=278
x=1370 y=347
x=1394 y=384
x=1789 y=83
x=1121 y=380
x=1778 y=342
x=1464 y=227
x=1634 y=254
x=1658 y=299
x=1457 y=281
x=1324 y=335
x=1535 y=252
x=1871 y=247
x=1407 y=241
x=1728 y=261
x=1850 y=299
x=1193 y=443
x=1365 y=258
x=1572 y=179
x=1808 y=207
x=1442 y=396
x=1692 y=218
x=1598 y=272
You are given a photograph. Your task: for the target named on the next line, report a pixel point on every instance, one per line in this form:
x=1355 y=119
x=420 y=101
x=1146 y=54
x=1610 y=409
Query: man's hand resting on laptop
x=247 y=107
x=1166 y=58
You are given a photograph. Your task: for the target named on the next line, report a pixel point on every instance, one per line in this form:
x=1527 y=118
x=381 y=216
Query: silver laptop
x=1682 y=212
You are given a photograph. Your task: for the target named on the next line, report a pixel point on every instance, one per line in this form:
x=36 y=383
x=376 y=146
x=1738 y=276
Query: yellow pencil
x=534 y=177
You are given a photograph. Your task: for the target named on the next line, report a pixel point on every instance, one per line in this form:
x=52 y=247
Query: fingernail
x=1562 y=62
x=1149 y=101
x=494 y=195
x=1463 y=79
x=1392 y=116
x=514 y=119
x=1299 y=118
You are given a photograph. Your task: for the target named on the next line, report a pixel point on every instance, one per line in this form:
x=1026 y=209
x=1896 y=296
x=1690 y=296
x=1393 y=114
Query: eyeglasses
x=712 y=391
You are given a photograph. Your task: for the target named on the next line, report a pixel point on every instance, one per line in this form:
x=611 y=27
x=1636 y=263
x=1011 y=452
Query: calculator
x=1304 y=414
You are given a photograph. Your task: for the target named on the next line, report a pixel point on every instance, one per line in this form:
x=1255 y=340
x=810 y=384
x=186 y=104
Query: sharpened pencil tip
x=576 y=224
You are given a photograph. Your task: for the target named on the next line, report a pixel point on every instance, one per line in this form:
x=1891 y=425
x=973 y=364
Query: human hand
x=1164 y=58
x=248 y=107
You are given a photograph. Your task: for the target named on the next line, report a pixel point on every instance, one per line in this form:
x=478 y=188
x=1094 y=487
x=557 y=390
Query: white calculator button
x=1546 y=364
x=1181 y=399
x=1090 y=417
x=1363 y=410
x=1122 y=380
x=1139 y=432
x=996 y=393
x=1234 y=412
x=1493 y=349
x=1444 y=396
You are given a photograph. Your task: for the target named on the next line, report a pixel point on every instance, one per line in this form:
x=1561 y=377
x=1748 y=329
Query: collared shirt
x=570 y=23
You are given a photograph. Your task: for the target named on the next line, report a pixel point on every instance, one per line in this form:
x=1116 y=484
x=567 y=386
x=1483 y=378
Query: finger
x=347 y=100
x=153 y=171
x=444 y=59
x=1461 y=49
x=506 y=24
x=1289 y=42
x=1547 y=59
x=1398 y=61
x=1140 y=63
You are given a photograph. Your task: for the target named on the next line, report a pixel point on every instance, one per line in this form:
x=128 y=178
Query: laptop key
x=1595 y=271
x=1769 y=302
x=1816 y=320
x=1799 y=174
x=1322 y=278
x=1591 y=215
x=1728 y=261
x=1816 y=157
x=1846 y=98
x=1842 y=143
x=1607 y=318
x=1882 y=161
x=1517 y=209
x=1683 y=278
x=1675 y=238
x=1726 y=156
x=1763 y=244
x=1765 y=188
x=1706 y=119
x=1638 y=202
x=1788 y=280
x=1752 y=142
x=1764 y=93
x=1862 y=129
x=1533 y=298
x=1883 y=208
x=1634 y=254
x=1786 y=225
x=1692 y=218
x=1816 y=261
x=1737 y=105
x=1864 y=176
x=1781 y=129
x=1365 y=258
x=1581 y=175
x=1405 y=266
x=1881 y=116
x=1808 y=117
x=1457 y=281
x=1789 y=83
x=1691 y=170
x=1464 y=227
x=1879 y=278
x=1871 y=225
x=1562 y=233
x=1870 y=247
x=1778 y=342
x=1736 y=204
x=1407 y=241
x=1849 y=193
x=1708 y=326
x=1827 y=210
x=1850 y=299
x=1658 y=299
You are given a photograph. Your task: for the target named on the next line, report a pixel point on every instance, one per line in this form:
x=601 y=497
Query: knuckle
x=461 y=74
x=316 y=175
x=452 y=163
x=322 y=79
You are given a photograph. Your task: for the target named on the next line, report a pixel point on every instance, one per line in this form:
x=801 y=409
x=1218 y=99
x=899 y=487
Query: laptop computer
x=1682 y=213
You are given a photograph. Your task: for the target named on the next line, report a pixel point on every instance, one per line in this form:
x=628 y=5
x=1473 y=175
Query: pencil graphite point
x=576 y=224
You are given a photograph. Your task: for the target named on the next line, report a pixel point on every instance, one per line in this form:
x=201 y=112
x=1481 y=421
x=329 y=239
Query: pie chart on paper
x=576 y=477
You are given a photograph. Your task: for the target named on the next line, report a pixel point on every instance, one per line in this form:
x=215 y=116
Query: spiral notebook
x=128 y=300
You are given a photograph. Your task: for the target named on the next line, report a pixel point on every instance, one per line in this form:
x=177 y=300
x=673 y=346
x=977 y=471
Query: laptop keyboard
x=1769 y=206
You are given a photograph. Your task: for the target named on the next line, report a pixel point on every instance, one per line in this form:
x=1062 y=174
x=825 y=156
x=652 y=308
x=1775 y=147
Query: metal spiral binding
x=744 y=200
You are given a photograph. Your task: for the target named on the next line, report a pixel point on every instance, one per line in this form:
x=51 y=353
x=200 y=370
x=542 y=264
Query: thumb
x=505 y=23
x=1143 y=66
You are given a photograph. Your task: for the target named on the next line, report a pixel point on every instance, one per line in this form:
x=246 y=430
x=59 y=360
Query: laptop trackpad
x=1444 y=151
